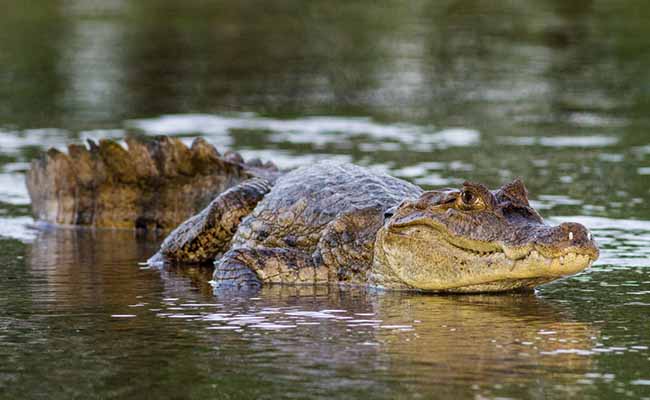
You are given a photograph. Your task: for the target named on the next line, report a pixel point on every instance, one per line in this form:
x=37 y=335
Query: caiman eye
x=469 y=200
x=468 y=197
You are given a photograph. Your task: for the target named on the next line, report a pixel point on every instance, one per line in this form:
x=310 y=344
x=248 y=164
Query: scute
x=305 y=200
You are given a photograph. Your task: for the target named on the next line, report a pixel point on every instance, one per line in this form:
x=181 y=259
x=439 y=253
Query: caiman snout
x=567 y=238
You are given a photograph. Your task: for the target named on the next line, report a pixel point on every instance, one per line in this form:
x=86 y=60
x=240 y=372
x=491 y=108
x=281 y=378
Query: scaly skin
x=207 y=235
x=320 y=224
x=339 y=223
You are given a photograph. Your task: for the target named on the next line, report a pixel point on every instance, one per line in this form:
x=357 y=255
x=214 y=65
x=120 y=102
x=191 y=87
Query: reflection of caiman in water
x=323 y=223
x=479 y=338
x=482 y=339
x=471 y=338
x=86 y=266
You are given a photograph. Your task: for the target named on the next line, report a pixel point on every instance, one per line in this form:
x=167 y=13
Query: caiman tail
x=155 y=183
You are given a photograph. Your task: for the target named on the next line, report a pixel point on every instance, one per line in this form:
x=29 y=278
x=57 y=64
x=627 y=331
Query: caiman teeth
x=563 y=260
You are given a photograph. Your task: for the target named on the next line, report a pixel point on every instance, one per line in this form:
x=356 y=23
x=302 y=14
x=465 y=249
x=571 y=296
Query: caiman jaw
x=570 y=259
x=553 y=261
x=578 y=241
x=426 y=257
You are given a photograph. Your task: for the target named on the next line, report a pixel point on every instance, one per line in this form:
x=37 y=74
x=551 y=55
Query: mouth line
x=533 y=252
x=473 y=251
x=513 y=254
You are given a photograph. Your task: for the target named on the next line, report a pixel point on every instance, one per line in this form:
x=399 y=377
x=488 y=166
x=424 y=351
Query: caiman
x=320 y=224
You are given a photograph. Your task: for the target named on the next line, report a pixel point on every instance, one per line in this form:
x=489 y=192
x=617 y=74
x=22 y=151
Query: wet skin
x=340 y=223
x=320 y=224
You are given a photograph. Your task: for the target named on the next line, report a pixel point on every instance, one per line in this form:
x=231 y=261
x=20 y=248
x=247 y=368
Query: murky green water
x=435 y=92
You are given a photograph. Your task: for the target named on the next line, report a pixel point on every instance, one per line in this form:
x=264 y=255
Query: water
x=433 y=92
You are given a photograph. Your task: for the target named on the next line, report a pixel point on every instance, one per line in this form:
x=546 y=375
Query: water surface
x=435 y=92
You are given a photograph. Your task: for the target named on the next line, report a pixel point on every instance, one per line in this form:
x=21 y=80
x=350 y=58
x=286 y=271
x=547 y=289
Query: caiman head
x=476 y=240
